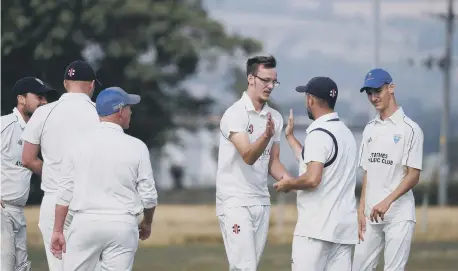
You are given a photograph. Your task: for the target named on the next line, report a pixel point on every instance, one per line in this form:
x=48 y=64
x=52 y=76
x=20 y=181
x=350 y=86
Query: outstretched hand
x=290 y=126
x=270 y=126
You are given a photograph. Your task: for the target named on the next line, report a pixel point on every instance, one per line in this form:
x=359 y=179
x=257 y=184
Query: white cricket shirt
x=328 y=212
x=55 y=127
x=107 y=172
x=388 y=147
x=237 y=183
x=15 y=178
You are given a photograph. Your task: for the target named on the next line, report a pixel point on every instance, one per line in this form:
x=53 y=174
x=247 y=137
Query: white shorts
x=46 y=225
x=310 y=254
x=395 y=237
x=110 y=239
x=14 y=237
x=244 y=230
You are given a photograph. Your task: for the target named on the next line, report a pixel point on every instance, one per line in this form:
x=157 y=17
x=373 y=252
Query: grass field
x=188 y=238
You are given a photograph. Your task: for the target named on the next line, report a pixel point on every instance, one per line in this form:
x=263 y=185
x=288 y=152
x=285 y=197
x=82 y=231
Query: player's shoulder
x=134 y=142
x=411 y=125
x=368 y=127
x=44 y=110
x=234 y=111
x=7 y=121
x=235 y=108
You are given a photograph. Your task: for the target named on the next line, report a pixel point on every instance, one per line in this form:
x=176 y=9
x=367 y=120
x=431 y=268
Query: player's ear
x=391 y=88
x=250 y=79
x=21 y=99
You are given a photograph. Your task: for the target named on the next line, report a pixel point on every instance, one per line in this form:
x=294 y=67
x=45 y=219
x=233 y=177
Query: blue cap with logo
x=113 y=99
x=375 y=79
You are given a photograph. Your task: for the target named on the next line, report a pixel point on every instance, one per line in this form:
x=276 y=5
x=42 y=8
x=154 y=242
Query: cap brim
x=372 y=84
x=134 y=99
x=302 y=89
x=42 y=90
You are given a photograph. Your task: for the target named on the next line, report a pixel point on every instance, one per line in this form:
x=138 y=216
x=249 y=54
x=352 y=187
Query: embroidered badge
x=250 y=129
x=396 y=138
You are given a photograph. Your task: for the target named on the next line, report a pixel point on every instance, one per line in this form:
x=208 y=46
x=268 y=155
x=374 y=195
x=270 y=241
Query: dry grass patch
x=187 y=224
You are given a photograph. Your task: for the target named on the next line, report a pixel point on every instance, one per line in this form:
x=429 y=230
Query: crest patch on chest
x=396 y=138
x=250 y=129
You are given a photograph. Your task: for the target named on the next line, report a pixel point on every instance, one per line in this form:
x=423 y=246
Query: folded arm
x=250 y=152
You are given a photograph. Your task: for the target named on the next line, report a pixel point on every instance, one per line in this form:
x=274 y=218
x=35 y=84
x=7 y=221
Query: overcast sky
x=335 y=38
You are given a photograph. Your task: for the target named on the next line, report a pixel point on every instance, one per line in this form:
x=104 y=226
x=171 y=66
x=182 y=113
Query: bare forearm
x=295 y=145
x=148 y=215
x=256 y=149
x=303 y=182
x=60 y=215
x=362 y=200
x=408 y=183
x=277 y=170
x=36 y=166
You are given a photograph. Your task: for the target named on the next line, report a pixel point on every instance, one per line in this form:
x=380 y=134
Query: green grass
x=423 y=257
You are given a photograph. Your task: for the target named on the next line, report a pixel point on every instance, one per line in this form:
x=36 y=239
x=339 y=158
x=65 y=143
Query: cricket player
x=53 y=128
x=15 y=183
x=249 y=149
x=107 y=182
x=326 y=229
x=391 y=155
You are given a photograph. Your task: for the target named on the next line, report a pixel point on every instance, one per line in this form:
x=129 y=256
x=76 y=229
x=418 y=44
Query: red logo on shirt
x=236 y=228
x=250 y=129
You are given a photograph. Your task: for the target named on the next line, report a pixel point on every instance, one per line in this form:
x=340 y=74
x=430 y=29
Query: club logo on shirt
x=19 y=164
x=380 y=158
x=369 y=140
x=236 y=228
x=250 y=129
x=19 y=142
x=396 y=138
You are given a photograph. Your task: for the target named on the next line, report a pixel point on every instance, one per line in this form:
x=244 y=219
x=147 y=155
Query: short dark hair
x=323 y=102
x=253 y=63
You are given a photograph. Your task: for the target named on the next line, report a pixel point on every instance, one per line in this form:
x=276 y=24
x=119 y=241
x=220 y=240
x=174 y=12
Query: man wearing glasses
x=391 y=155
x=249 y=149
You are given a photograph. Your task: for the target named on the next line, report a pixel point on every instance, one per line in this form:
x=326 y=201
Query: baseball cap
x=375 y=79
x=80 y=70
x=31 y=85
x=113 y=99
x=321 y=87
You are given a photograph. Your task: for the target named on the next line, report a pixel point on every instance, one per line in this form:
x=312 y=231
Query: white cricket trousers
x=310 y=254
x=395 y=237
x=244 y=230
x=110 y=239
x=14 y=237
x=46 y=225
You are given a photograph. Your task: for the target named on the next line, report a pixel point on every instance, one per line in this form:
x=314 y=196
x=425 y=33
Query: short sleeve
x=278 y=129
x=363 y=152
x=233 y=121
x=318 y=147
x=32 y=131
x=414 y=156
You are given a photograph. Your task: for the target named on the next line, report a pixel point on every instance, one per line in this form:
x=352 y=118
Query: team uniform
x=326 y=229
x=388 y=147
x=55 y=127
x=15 y=186
x=242 y=197
x=107 y=182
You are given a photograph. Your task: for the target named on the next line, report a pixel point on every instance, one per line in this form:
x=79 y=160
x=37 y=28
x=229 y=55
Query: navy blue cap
x=321 y=87
x=31 y=85
x=113 y=99
x=376 y=78
x=80 y=70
